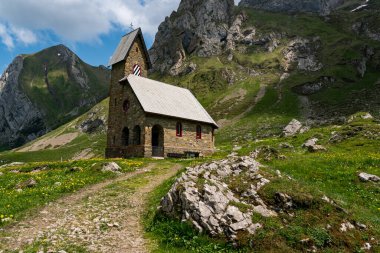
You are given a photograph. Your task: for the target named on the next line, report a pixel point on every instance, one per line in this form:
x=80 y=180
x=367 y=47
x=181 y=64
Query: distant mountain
x=42 y=91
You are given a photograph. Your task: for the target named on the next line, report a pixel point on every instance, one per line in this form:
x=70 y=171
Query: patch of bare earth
x=50 y=143
x=102 y=218
x=227 y=122
x=84 y=154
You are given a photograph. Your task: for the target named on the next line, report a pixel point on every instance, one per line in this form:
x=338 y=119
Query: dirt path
x=102 y=218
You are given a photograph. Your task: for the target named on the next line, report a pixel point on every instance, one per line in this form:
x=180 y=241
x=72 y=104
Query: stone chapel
x=148 y=118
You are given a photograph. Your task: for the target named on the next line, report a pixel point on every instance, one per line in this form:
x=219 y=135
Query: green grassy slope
x=340 y=49
x=82 y=145
x=61 y=97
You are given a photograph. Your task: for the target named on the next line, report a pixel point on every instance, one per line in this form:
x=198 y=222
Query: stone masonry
x=139 y=143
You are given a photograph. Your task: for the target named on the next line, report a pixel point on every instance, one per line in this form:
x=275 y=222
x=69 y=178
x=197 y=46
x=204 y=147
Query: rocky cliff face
x=198 y=27
x=42 y=91
x=323 y=7
x=20 y=119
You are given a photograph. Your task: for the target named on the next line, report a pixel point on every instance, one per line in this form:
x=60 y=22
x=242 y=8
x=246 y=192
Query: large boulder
x=203 y=197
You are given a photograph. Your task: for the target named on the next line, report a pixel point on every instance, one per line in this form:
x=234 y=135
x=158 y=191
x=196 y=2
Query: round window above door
x=137 y=70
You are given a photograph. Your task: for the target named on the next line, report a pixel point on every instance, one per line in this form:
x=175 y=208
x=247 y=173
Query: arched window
x=179 y=129
x=137 y=135
x=125 y=136
x=126 y=105
x=199 y=132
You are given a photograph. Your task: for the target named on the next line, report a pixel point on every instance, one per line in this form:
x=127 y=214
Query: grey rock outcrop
x=39 y=92
x=198 y=27
x=292 y=128
x=20 y=119
x=311 y=88
x=202 y=197
x=363 y=28
x=301 y=54
x=322 y=7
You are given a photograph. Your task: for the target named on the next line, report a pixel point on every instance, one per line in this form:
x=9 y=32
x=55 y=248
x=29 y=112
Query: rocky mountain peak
x=41 y=91
x=198 y=27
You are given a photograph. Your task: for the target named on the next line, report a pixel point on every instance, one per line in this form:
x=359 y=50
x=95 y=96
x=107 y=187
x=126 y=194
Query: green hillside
x=61 y=84
x=235 y=106
x=66 y=142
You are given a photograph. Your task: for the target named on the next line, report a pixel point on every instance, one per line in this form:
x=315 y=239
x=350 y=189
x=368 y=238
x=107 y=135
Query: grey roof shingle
x=164 y=99
x=125 y=45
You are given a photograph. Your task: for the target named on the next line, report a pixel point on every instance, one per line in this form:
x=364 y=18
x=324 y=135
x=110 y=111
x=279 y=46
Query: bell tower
x=131 y=57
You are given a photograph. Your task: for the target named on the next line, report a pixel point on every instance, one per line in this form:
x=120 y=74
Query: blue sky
x=91 y=28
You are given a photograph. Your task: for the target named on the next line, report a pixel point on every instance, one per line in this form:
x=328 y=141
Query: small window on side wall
x=179 y=129
x=199 y=132
x=126 y=105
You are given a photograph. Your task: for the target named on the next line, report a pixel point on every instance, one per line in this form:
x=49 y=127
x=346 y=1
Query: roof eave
x=215 y=126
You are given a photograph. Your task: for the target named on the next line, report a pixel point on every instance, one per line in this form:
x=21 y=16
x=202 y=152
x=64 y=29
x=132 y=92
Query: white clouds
x=23 y=35
x=5 y=37
x=78 y=20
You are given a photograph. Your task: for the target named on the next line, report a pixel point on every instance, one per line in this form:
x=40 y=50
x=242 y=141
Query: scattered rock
x=360 y=225
x=111 y=166
x=91 y=125
x=365 y=177
x=367 y=116
x=310 y=142
x=366 y=246
x=12 y=164
x=1 y=173
x=30 y=183
x=344 y=227
x=354 y=117
x=284 y=201
x=292 y=128
x=312 y=146
x=267 y=153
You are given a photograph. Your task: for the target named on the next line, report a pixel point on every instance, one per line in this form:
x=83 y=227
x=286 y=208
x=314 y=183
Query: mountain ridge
x=41 y=91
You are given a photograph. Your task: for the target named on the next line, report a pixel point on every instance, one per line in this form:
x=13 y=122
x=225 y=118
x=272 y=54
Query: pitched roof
x=164 y=99
x=125 y=45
